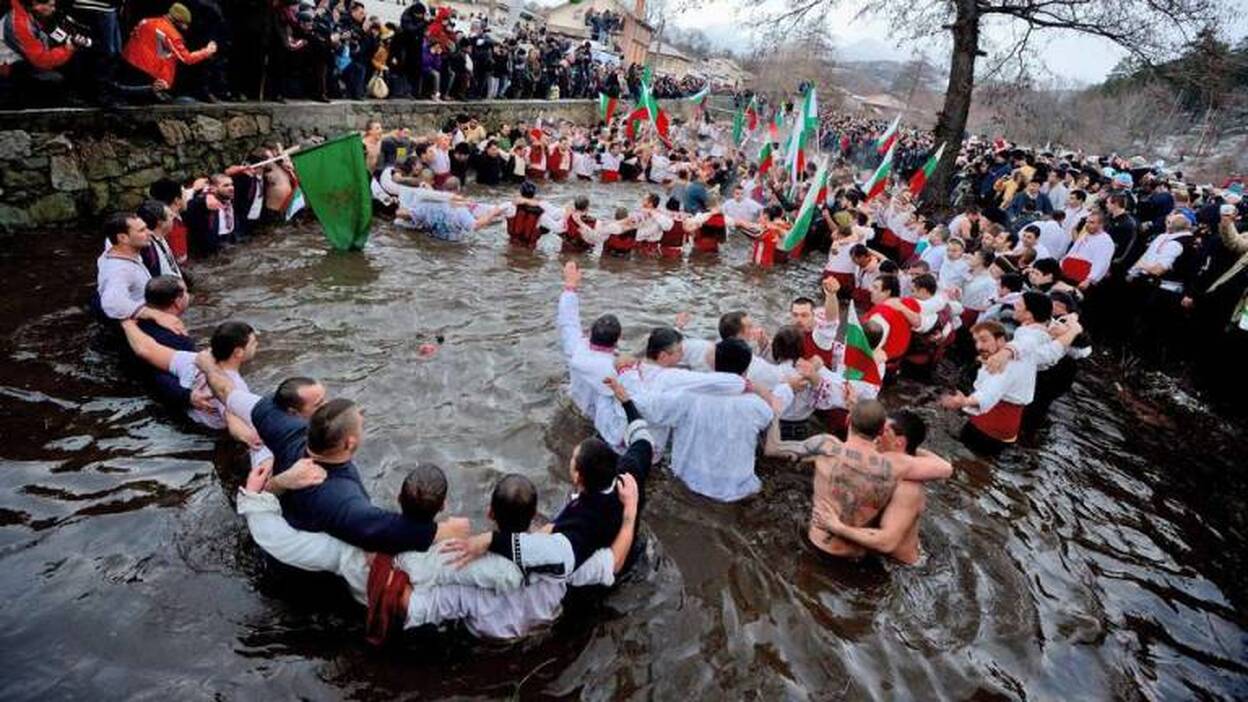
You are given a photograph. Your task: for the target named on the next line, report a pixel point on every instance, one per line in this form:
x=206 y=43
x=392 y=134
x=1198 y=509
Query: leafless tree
x=1150 y=30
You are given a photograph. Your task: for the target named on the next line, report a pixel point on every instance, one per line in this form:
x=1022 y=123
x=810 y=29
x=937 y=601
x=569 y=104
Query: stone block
x=173 y=131
x=141 y=178
x=104 y=168
x=13 y=219
x=66 y=175
x=241 y=126
x=59 y=144
x=14 y=143
x=207 y=129
x=99 y=200
x=130 y=199
x=264 y=123
x=22 y=175
x=53 y=208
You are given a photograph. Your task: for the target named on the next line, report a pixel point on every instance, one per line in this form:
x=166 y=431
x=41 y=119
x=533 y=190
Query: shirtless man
x=855 y=477
x=897 y=535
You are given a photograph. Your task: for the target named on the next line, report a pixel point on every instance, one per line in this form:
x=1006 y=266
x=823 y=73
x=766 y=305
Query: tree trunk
x=951 y=122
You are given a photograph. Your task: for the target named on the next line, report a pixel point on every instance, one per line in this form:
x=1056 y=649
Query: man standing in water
x=897 y=535
x=855 y=477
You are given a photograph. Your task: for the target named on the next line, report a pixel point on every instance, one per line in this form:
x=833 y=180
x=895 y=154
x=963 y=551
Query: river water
x=1102 y=561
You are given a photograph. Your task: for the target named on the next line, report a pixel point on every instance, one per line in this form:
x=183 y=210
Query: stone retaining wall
x=69 y=166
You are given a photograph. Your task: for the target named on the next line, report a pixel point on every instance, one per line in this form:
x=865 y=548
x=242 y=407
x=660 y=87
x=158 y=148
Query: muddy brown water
x=1100 y=561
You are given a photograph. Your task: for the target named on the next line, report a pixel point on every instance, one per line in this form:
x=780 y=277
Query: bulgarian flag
x=775 y=124
x=806 y=214
x=859 y=356
x=606 y=106
x=876 y=185
x=764 y=158
x=795 y=152
x=885 y=142
x=657 y=116
x=639 y=114
x=919 y=179
x=751 y=114
x=738 y=127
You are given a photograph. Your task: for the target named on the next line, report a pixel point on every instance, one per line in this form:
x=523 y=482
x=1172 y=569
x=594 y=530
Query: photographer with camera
x=39 y=52
x=155 y=49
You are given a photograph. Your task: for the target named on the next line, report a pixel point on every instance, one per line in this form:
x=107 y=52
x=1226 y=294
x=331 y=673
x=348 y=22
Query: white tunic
x=1053 y=237
x=954 y=273
x=1035 y=345
x=588 y=366
x=1162 y=251
x=1015 y=384
x=650 y=379
x=977 y=292
x=1098 y=250
x=715 y=438
x=121 y=282
x=743 y=210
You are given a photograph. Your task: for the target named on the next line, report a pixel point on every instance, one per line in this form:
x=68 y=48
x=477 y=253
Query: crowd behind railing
x=125 y=52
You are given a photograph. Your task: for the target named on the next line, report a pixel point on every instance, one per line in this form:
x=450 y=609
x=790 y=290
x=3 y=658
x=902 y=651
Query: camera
x=72 y=31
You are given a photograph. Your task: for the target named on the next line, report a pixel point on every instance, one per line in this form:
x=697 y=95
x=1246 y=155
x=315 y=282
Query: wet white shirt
x=1034 y=344
x=587 y=367
x=743 y=210
x=649 y=378
x=121 y=283
x=1016 y=385
x=715 y=438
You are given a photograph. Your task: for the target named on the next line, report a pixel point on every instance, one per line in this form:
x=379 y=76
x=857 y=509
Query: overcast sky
x=1080 y=58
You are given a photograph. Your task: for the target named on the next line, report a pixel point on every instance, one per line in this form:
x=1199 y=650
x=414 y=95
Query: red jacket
x=156 y=47
x=24 y=35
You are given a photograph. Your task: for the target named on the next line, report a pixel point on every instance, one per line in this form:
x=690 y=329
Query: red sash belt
x=1001 y=422
x=1076 y=270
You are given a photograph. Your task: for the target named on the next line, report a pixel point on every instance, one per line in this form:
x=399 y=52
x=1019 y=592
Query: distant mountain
x=869 y=49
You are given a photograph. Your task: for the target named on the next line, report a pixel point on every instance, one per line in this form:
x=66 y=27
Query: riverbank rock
x=66 y=175
x=53 y=209
x=14 y=143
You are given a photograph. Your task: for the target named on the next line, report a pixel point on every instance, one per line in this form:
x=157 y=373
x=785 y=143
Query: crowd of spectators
x=108 y=52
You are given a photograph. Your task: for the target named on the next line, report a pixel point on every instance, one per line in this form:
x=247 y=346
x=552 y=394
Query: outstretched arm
x=799 y=451
x=145 y=347
x=568 y=317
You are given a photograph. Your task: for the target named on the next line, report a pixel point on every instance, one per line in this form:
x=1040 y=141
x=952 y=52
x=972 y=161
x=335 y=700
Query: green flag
x=738 y=127
x=334 y=181
x=806 y=214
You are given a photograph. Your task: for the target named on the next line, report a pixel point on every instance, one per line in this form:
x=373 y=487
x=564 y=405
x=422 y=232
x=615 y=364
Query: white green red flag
x=738 y=127
x=859 y=356
x=806 y=215
x=775 y=124
x=765 y=159
x=805 y=124
x=879 y=180
x=751 y=115
x=606 y=106
x=888 y=138
x=921 y=176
